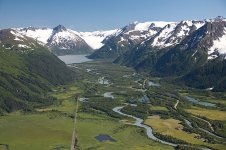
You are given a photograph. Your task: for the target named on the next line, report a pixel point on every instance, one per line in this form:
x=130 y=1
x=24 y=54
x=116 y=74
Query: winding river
x=208 y=132
x=138 y=123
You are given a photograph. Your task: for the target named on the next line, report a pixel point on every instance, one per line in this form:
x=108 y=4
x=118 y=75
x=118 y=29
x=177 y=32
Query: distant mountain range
x=191 y=51
x=61 y=40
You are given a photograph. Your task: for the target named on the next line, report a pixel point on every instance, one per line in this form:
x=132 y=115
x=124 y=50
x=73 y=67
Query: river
x=138 y=123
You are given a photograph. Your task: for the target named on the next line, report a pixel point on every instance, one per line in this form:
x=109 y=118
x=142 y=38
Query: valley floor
x=102 y=86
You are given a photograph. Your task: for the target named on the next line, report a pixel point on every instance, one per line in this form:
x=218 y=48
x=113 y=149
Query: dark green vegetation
x=127 y=88
x=180 y=64
x=95 y=115
x=213 y=74
x=39 y=93
x=187 y=61
x=27 y=74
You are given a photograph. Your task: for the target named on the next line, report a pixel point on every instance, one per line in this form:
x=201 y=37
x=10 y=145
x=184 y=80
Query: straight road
x=74 y=137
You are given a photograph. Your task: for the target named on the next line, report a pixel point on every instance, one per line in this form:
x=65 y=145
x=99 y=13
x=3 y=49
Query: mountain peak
x=219 y=18
x=59 y=28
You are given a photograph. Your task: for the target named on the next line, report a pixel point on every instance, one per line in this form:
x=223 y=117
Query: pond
x=71 y=59
x=104 y=137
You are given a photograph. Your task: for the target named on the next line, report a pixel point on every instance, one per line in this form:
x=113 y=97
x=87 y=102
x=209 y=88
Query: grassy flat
x=172 y=127
x=126 y=136
x=158 y=108
x=36 y=131
x=45 y=130
x=208 y=113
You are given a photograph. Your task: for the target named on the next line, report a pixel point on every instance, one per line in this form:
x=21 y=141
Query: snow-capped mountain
x=113 y=43
x=59 y=40
x=128 y=37
x=174 y=33
x=211 y=37
x=11 y=39
x=160 y=48
x=66 y=41
x=179 y=47
x=137 y=32
x=41 y=35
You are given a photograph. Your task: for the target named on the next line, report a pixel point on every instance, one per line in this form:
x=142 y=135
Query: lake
x=71 y=59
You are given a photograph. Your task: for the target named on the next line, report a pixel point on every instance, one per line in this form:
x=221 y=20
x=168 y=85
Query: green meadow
x=50 y=127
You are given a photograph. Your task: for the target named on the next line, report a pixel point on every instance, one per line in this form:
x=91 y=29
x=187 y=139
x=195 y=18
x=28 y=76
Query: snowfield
x=95 y=39
x=219 y=45
x=42 y=35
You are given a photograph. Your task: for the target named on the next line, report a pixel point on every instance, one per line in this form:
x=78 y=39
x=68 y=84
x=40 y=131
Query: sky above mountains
x=90 y=15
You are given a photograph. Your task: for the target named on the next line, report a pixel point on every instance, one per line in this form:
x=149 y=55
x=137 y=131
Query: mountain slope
x=27 y=71
x=145 y=55
x=64 y=41
x=195 y=50
x=190 y=49
x=210 y=76
x=61 y=40
x=128 y=37
x=177 y=47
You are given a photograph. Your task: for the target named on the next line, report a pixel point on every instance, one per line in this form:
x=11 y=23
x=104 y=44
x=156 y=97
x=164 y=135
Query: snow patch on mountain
x=199 y=24
x=64 y=36
x=17 y=39
x=184 y=31
x=16 y=34
x=23 y=46
x=164 y=34
x=143 y=26
x=219 y=46
x=146 y=25
x=42 y=35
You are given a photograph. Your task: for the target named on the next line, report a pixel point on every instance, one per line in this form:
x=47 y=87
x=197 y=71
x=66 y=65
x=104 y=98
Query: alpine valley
x=152 y=85
x=192 y=49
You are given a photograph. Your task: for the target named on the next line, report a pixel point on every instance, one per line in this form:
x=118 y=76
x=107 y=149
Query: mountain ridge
x=158 y=48
x=177 y=49
x=27 y=72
